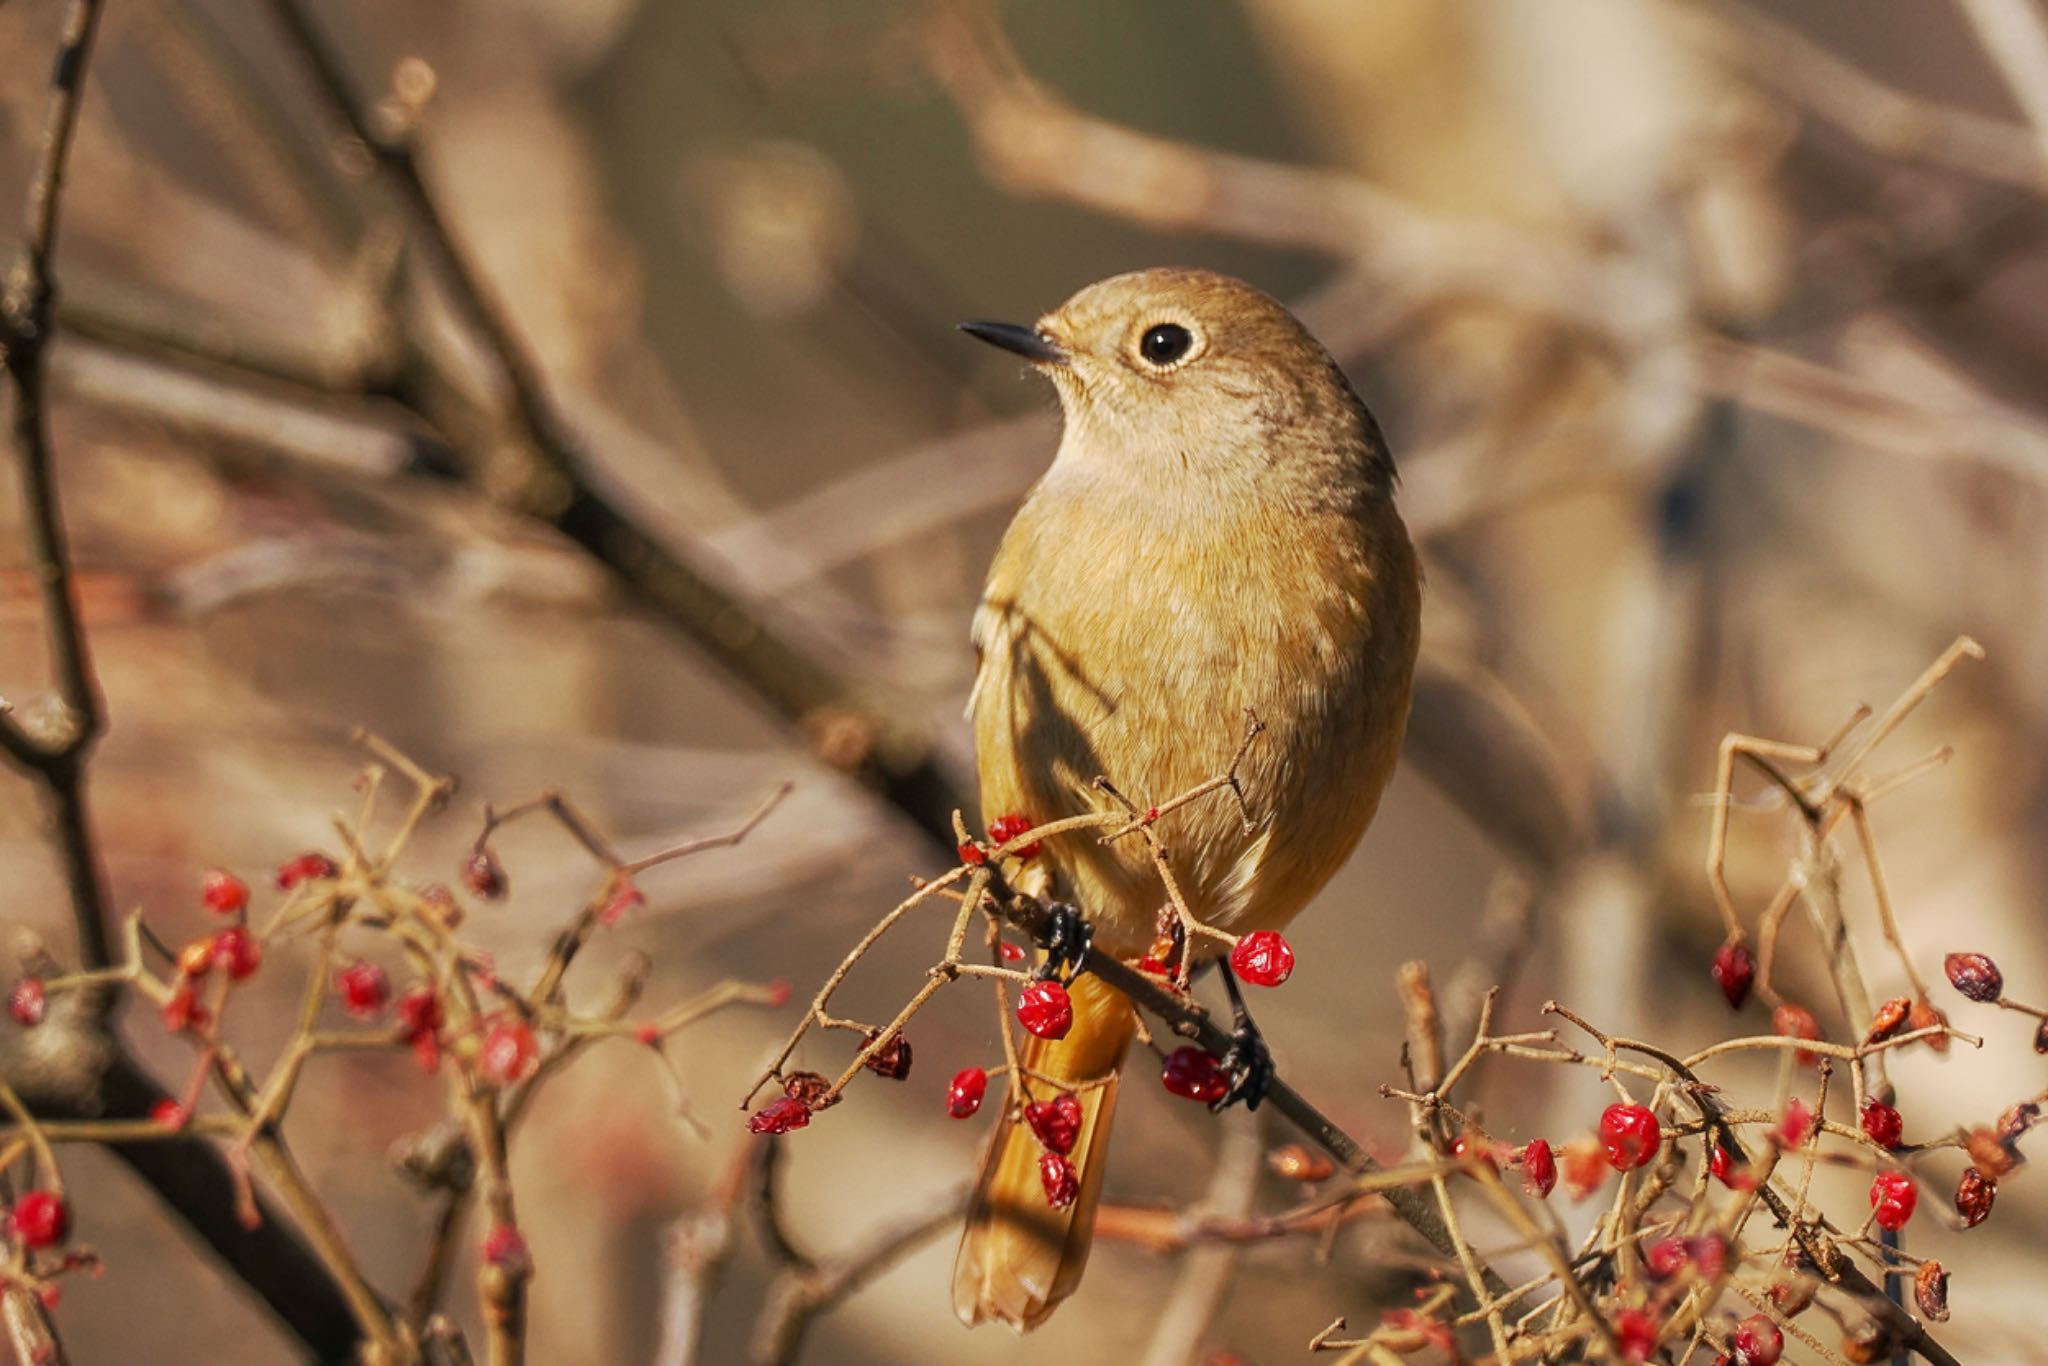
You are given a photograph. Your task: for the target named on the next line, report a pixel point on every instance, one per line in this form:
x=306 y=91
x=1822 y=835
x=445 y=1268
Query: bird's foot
x=1249 y=1065
x=1247 y=1062
x=1066 y=938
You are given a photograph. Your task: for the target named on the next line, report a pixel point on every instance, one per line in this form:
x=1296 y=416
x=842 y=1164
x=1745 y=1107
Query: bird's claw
x=1066 y=938
x=1249 y=1065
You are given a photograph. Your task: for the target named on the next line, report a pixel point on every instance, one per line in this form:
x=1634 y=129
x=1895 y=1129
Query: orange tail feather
x=1019 y=1257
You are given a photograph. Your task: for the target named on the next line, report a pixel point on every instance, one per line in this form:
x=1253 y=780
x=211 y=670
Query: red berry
x=1629 y=1135
x=509 y=1052
x=1894 y=1195
x=419 y=1015
x=1797 y=1022
x=305 y=868
x=648 y=1032
x=1583 y=1168
x=1011 y=952
x=1262 y=958
x=1003 y=829
x=1193 y=1074
x=364 y=989
x=168 y=1113
x=1757 y=1342
x=1796 y=1124
x=40 y=1219
x=970 y=852
x=779 y=1116
x=1472 y=1147
x=1056 y=1174
x=1735 y=972
x=625 y=897
x=1976 y=976
x=27 y=1002
x=1882 y=1124
x=1057 y=1122
x=505 y=1247
x=1635 y=1332
x=779 y=992
x=964 y=1092
x=1666 y=1258
x=183 y=1011
x=237 y=952
x=1539 y=1169
x=1046 y=1010
x=482 y=874
x=1974 y=1194
x=222 y=892
x=1721 y=1165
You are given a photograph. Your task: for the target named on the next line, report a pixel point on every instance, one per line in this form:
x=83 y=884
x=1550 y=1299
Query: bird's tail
x=1020 y=1256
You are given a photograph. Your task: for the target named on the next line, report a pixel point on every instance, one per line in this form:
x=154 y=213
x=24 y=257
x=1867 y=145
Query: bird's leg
x=1248 y=1061
x=1065 y=938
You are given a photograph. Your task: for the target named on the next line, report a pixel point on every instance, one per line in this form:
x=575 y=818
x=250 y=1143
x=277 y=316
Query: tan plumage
x=1216 y=533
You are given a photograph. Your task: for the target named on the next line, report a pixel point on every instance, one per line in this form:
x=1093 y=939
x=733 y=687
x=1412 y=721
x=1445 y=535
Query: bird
x=1216 y=535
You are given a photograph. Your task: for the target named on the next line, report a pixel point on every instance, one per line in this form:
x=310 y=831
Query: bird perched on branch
x=1216 y=534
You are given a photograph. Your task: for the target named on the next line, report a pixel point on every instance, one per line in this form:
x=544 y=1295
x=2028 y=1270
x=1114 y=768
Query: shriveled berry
x=505 y=1247
x=1990 y=1153
x=1192 y=1074
x=484 y=875
x=1046 y=1010
x=1056 y=1122
x=307 y=867
x=1894 y=1196
x=509 y=1052
x=1930 y=1290
x=810 y=1090
x=1882 y=1124
x=1791 y=1293
x=1757 y=1342
x=1539 y=1169
x=1263 y=958
x=1927 y=1015
x=965 y=1091
x=1056 y=1174
x=28 y=1001
x=1003 y=829
x=1629 y=1135
x=1797 y=1022
x=779 y=1116
x=2041 y=1037
x=1890 y=1018
x=2017 y=1118
x=1974 y=1194
x=1666 y=1257
x=168 y=1113
x=1734 y=972
x=40 y=1219
x=237 y=952
x=892 y=1059
x=1635 y=1332
x=222 y=892
x=363 y=988
x=1866 y=1341
x=1974 y=975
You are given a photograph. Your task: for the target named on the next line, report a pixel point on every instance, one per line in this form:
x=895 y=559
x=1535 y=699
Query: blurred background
x=1708 y=340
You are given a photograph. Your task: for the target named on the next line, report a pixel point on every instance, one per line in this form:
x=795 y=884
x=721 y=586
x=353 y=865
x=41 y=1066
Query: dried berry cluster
x=347 y=926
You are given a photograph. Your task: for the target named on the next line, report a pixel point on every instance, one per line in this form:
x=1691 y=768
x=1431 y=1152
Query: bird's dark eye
x=1164 y=343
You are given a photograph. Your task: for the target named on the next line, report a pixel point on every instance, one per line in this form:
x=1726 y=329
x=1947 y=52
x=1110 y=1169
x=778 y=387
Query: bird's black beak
x=1032 y=345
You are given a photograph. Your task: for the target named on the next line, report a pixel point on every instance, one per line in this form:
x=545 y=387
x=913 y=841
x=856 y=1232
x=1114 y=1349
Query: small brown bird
x=1216 y=533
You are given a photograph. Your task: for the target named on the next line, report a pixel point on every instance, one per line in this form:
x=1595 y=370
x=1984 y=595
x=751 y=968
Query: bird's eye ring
x=1165 y=343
